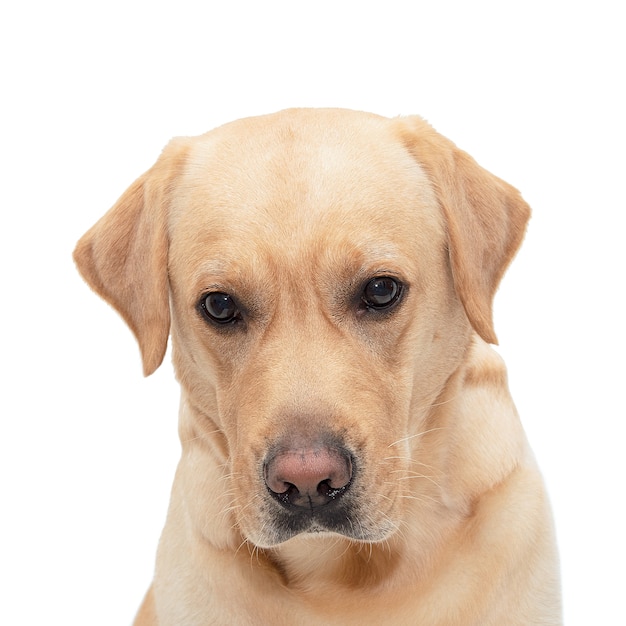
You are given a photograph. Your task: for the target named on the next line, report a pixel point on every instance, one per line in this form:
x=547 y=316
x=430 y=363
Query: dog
x=350 y=450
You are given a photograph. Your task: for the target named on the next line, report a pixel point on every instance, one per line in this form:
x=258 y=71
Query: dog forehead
x=298 y=178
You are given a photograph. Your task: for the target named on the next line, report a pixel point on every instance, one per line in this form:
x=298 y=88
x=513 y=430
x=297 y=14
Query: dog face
x=316 y=303
x=325 y=271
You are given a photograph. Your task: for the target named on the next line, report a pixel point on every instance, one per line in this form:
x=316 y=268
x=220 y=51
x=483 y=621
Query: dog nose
x=308 y=477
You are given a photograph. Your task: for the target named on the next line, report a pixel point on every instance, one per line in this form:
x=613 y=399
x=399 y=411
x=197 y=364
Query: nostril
x=308 y=477
x=326 y=490
x=289 y=495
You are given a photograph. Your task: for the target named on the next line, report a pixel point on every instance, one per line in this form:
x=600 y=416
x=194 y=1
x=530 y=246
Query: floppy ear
x=485 y=217
x=124 y=257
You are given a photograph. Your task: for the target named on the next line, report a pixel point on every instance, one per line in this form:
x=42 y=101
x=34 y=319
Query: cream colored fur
x=291 y=214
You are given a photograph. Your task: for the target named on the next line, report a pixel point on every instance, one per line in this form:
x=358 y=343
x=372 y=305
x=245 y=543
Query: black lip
x=333 y=517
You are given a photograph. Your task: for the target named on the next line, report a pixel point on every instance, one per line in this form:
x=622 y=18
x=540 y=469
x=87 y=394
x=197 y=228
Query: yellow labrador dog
x=350 y=451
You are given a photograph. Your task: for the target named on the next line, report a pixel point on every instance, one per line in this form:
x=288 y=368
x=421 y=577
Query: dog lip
x=333 y=516
x=343 y=517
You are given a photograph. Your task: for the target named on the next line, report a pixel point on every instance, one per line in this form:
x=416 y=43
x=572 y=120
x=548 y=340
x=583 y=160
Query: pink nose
x=308 y=477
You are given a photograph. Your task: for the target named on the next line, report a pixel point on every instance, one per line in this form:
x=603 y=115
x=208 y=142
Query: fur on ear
x=123 y=257
x=486 y=219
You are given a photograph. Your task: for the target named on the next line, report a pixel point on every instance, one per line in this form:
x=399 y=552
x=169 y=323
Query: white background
x=89 y=95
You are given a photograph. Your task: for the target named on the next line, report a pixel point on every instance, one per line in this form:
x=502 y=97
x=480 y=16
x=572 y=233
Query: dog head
x=325 y=271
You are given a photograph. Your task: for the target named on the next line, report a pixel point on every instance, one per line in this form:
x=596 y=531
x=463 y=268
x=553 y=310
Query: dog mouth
x=330 y=517
x=345 y=515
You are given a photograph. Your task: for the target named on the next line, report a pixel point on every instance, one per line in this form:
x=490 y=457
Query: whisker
x=424 y=476
x=212 y=432
x=434 y=405
x=245 y=542
x=420 y=434
x=422 y=497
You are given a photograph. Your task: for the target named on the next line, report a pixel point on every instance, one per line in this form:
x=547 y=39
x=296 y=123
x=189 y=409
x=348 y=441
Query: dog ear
x=123 y=257
x=485 y=217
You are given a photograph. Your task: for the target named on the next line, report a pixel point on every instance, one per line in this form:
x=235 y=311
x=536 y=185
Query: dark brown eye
x=381 y=293
x=219 y=307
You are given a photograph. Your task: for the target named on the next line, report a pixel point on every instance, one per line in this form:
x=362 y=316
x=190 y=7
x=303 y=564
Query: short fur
x=445 y=520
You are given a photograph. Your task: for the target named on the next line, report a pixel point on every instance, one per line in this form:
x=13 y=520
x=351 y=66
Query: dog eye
x=219 y=307
x=381 y=293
